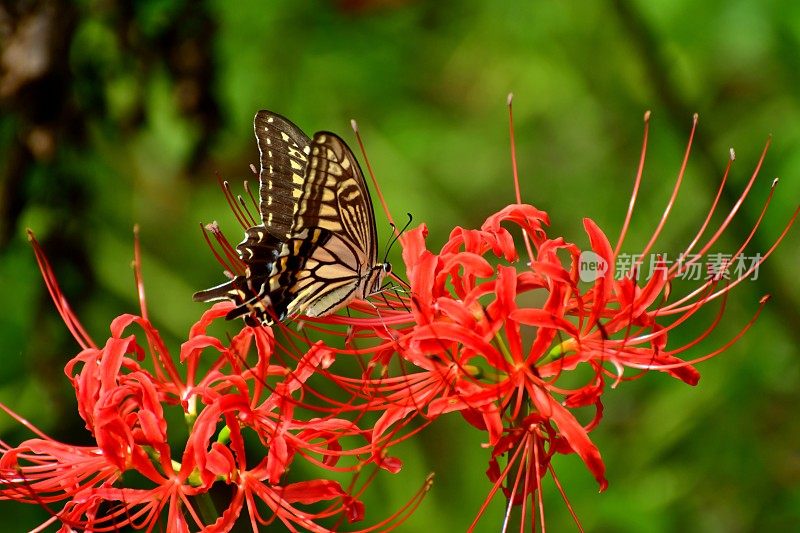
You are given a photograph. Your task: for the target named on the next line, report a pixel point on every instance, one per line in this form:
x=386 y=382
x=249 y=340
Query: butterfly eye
x=387 y=268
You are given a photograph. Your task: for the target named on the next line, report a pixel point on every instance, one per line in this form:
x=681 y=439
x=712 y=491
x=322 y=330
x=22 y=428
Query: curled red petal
x=307 y=492
x=573 y=432
x=220 y=460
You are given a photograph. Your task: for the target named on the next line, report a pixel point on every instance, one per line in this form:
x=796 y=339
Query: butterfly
x=315 y=249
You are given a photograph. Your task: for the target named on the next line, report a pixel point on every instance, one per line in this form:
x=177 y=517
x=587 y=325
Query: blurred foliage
x=119 y=113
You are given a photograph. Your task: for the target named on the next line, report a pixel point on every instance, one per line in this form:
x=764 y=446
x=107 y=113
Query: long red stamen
x=243 y=216
x=735 y=209
x=62 y=306
x=675 y=189
x=137 y=272
x=636 y=183
x=679 y=266
x=378 y=190
x=232 y=262
x=517 y=192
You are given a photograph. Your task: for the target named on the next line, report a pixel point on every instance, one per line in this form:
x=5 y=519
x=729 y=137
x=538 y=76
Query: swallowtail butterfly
x=316 y=247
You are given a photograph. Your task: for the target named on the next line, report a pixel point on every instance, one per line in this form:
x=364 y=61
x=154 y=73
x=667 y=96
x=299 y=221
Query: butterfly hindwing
x=259 y=251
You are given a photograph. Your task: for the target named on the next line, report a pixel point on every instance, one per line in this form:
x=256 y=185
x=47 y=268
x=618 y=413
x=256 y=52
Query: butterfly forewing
x=336 y=197
x=335 y=200
x=284 y=150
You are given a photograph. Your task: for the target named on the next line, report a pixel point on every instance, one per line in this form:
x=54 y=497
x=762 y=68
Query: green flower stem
x=205 y=505
x=557 y=352
x=501 y=345
x=224 y=435
x=191 y=412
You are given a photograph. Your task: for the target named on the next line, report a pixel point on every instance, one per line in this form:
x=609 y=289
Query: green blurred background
x=122 y=113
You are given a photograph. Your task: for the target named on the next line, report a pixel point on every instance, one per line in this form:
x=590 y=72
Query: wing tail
x=259 y=251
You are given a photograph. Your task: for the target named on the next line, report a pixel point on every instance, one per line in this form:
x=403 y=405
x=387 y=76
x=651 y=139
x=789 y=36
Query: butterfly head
x=376 y=276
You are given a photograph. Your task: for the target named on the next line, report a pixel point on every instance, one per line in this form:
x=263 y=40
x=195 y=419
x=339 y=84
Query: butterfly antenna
x=391 y=240
x=354 y=125
x=396 y=235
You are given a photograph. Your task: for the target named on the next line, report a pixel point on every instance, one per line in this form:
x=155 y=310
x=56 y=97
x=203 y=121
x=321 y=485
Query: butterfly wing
x=336 y=197
x=283 y=150
x=259 y=252
x=283 y=154
x=336 y=202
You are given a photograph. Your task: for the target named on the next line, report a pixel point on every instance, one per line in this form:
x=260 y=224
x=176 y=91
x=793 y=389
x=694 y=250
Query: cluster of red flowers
x=496 y=341
x=244 y=407
x=477 y=331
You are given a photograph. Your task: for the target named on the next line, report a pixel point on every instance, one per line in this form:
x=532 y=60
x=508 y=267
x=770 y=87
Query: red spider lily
x=493 y=338
x=123 y=390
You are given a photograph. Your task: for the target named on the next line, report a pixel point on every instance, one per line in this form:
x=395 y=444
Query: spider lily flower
x=501 y=339
x=246 y=424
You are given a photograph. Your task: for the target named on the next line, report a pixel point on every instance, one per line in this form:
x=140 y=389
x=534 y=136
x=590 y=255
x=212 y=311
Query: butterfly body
x=315 y=250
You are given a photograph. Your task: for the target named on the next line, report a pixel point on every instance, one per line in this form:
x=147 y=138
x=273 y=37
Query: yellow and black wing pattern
x=316 y=248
